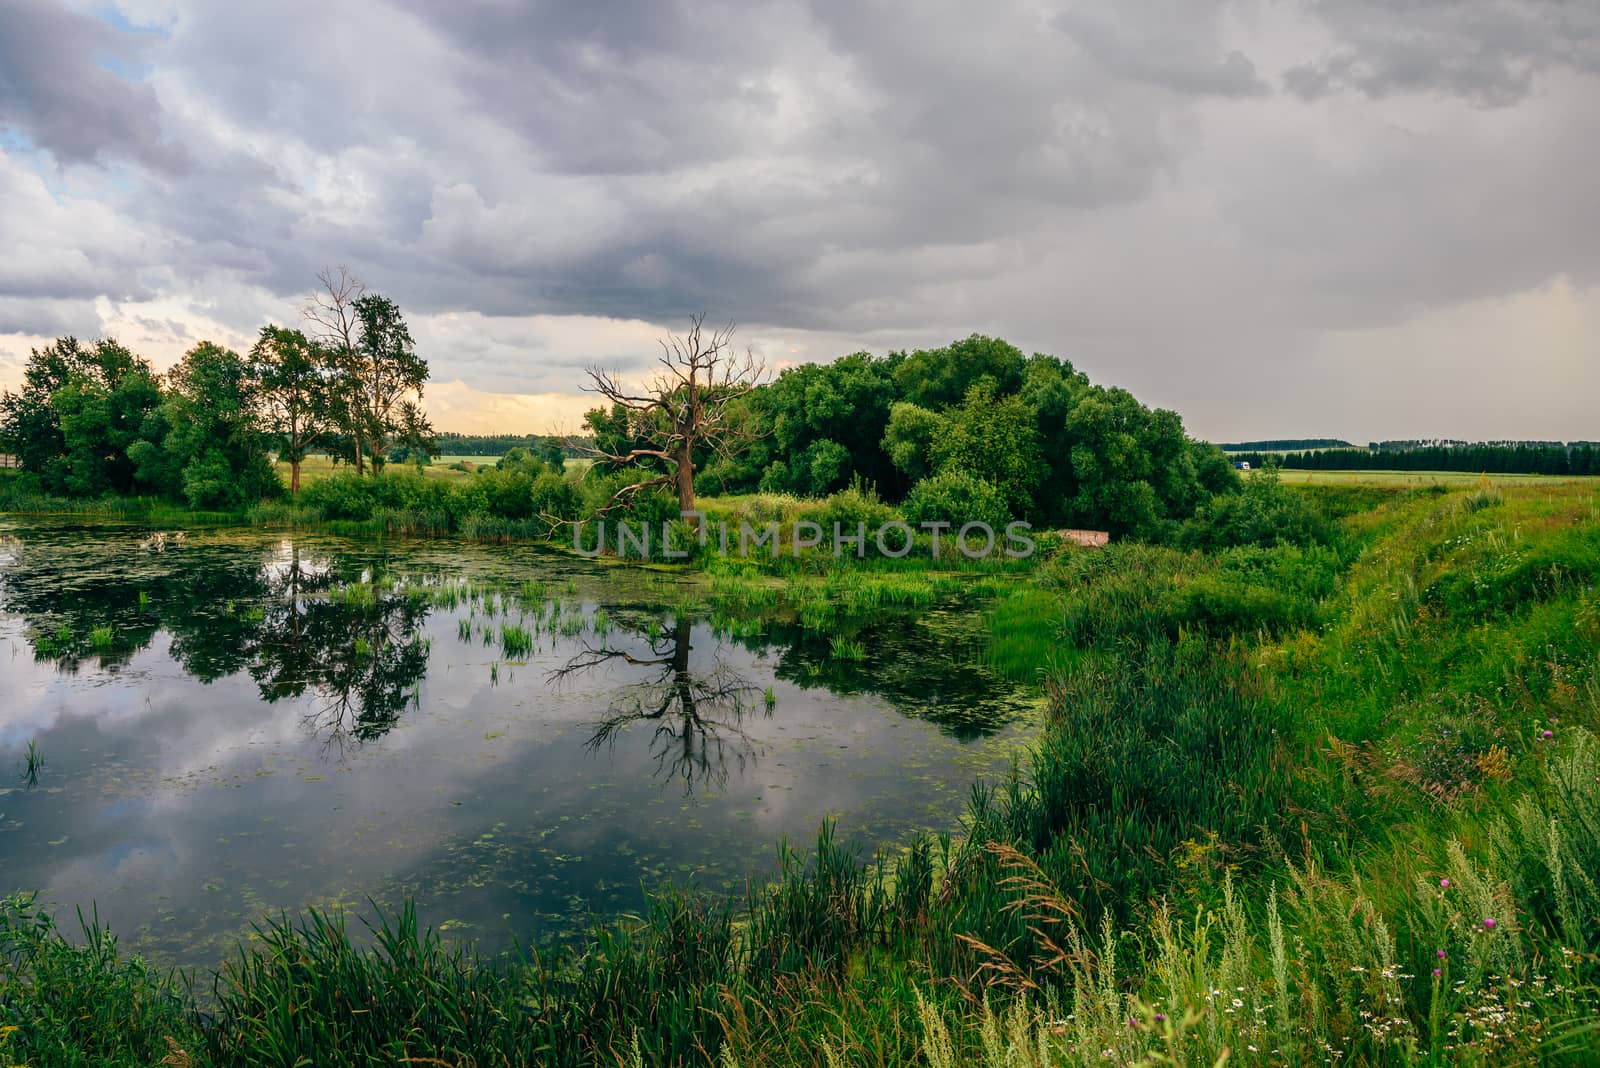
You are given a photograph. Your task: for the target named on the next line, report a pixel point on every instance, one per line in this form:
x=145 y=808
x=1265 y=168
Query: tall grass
x=32 y=763
x=1025 y=634
x=515 y=642
x=80 y=1002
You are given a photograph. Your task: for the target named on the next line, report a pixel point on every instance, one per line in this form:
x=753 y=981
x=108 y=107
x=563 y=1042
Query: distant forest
x=490 y=444
x=1287 y=444
x=1502 y=458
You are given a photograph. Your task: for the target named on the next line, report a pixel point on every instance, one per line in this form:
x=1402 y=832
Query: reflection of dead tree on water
x=698 y=717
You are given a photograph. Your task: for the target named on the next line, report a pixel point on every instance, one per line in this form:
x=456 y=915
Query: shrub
x=855 y=504
x=654 y=506
x=556 y=495
x=956 y=498
x=506 y=492
x=775 y=479
x=346 y=496
x=520 y=459
x=1265 y=513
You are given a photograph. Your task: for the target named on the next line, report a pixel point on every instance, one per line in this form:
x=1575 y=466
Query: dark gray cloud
x=57 y=89
x=1487 y=51
x=27 y=315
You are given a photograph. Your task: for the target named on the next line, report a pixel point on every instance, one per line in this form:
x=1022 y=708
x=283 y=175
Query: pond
x=229 y=723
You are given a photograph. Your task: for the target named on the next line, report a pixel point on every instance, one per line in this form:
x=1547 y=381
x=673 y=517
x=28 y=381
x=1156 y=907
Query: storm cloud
x=1203 y=200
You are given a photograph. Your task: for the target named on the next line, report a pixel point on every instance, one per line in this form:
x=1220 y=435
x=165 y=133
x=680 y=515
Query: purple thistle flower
x=1488 y=923
x=1441 y=954
x=1444 y=884
x=1436 y=973
x=1548 y=734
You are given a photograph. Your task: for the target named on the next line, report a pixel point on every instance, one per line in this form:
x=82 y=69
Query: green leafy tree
x=908 y=438
x=825 y=424
x=414 y=434
x=215 y=437
x=940 y=378
x=293 y=375
x=993 y=439
x=80 y=409
x=387 y=374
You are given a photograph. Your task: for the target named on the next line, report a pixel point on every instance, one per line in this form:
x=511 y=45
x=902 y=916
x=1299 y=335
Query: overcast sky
x=1334 y=217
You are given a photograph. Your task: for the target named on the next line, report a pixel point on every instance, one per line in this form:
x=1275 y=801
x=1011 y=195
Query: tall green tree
x=940 y=378
x=293 y=375
x=388 y=375
x=81 y=407
x=908 y=438
x=823 y=424
x=215 y=439
x=993 y=439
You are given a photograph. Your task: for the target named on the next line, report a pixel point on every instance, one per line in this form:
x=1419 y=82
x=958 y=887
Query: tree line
x=450 y=443
x=93 y=418
x=1578 y=458
x=1285 y=444
x=974 y=430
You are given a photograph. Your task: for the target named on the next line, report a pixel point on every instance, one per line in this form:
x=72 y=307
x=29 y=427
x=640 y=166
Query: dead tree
x=685 y=410
x=330 y=314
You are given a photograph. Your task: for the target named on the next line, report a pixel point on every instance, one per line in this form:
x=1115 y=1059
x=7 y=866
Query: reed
x=32 y=763
x=843 y=648
x=515 y=642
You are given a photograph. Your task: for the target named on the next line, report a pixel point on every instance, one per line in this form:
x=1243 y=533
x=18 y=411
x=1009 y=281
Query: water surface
x=235 y=722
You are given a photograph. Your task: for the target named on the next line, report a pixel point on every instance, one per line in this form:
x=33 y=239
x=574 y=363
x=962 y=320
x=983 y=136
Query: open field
x=316 y=468
x=1421 y=478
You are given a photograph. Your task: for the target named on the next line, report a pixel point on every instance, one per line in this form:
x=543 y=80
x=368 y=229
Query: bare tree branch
x=683 y=412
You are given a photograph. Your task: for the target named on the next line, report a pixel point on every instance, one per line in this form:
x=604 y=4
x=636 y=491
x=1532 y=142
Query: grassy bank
x=1293 y=804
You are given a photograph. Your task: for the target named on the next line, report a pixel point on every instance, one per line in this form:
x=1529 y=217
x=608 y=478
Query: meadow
x=1422 y=479
x=317 y=467
x=1326 y=801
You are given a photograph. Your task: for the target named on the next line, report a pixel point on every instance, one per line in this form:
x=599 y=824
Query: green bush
x=653 y=506
x=345 y=496
x=506 y=493
x=523 y=460
x=1264 y=513
x=556 y=495
x=853 y=505
x=957 y=498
